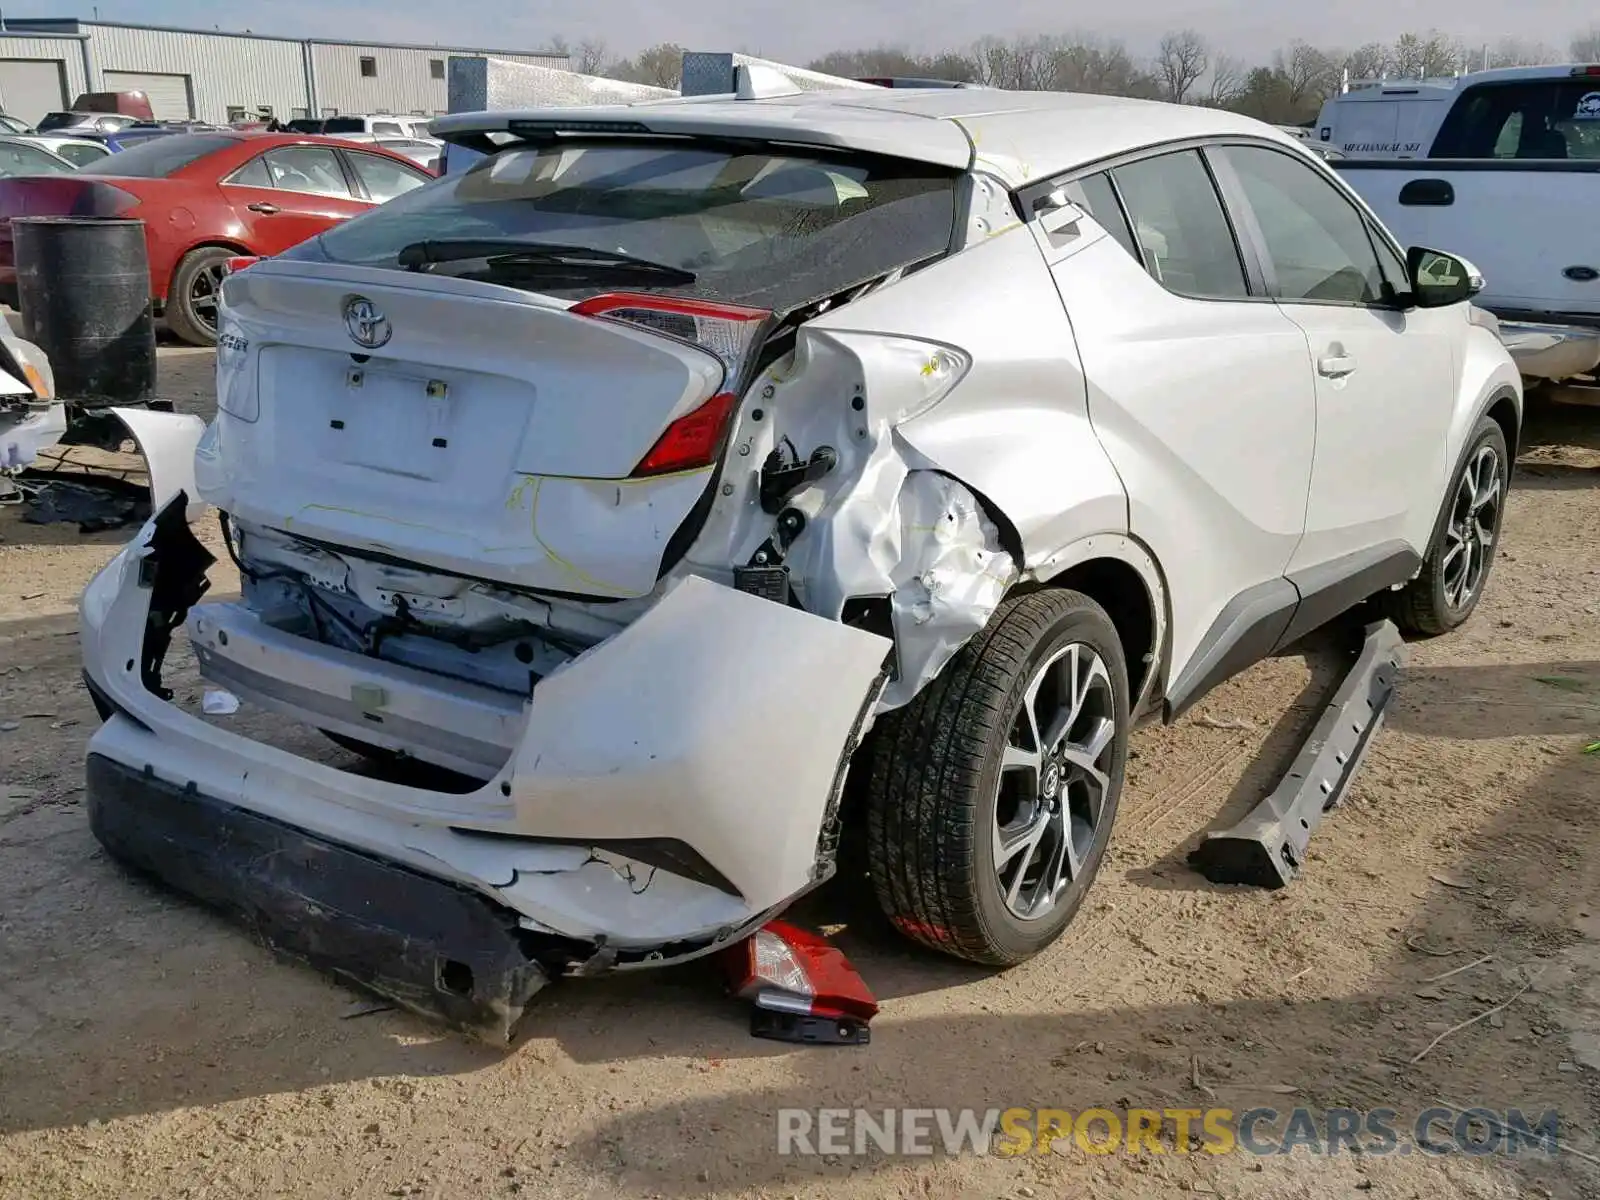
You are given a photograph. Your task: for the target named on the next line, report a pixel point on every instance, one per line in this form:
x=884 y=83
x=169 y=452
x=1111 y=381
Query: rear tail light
x=1586 y=71
x=803 y=987
x=731 y=332
x=233 y=266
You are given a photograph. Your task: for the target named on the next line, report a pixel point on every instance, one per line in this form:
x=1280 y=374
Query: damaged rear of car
x=554 y=476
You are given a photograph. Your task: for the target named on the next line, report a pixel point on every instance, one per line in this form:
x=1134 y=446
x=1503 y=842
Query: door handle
x=1336 y=366
x=261 y=206
x=1428 y=193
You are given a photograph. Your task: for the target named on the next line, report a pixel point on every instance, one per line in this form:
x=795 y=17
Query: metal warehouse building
x=46 y=62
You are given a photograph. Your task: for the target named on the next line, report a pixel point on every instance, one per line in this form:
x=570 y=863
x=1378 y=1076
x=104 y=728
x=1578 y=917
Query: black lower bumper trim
x=425 y=944
x=1267 y=848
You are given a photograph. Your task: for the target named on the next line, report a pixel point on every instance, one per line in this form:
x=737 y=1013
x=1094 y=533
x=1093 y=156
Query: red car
x=207 y=197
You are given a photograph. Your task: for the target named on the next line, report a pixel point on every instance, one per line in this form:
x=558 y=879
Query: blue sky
x=794 y=31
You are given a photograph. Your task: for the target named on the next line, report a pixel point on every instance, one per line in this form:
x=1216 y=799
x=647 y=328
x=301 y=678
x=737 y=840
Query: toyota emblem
x=368 y=327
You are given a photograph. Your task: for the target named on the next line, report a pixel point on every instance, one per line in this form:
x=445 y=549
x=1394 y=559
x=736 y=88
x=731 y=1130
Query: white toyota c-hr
x=677 y=461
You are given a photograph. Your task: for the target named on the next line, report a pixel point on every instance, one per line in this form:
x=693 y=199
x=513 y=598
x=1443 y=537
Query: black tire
x=199 y=273
x=1441 y=598
x=935 y=790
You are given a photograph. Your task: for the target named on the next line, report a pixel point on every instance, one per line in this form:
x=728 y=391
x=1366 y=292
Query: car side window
x=313 y=170
x=1540 y=119
x=79 y=155
x=253 y=174
x=1100 y=200
x=1179 y=226
x=387 y=128
x=1316 y=239
x=384 y=178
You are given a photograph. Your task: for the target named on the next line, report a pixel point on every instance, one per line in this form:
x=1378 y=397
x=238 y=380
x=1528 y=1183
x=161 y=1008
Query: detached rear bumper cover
x=717 y=722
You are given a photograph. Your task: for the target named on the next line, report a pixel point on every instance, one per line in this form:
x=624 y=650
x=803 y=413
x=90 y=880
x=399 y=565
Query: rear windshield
x=1538 y=119
x=158 y=156
x=59 y=120
x=759 y=227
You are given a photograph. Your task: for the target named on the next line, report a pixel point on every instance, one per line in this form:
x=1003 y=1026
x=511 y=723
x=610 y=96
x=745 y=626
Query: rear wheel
x=195 y=293
x=1456 y=569
x=992 y=794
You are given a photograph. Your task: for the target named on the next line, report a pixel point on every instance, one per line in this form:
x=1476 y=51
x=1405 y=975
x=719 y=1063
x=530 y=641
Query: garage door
x=169 y=94
x=29 y=88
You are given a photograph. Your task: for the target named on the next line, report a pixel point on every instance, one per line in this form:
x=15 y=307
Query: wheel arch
x=210 y=243
x=1120 y=575
x=1506 y=412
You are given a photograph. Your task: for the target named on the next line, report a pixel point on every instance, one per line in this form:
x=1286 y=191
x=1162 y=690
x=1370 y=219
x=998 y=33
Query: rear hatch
x=492 y=433
x=528 y=372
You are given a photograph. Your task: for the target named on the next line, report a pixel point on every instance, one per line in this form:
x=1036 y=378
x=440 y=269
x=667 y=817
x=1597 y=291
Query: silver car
x=702 y=483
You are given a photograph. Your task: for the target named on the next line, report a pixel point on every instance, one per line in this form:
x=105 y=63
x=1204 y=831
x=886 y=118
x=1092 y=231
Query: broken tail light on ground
x=731 y=332
x=802 y=986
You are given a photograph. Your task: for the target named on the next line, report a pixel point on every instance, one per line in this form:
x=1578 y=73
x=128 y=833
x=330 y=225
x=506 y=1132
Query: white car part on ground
x=24 y=432
x=718 y=721
x=167 y=441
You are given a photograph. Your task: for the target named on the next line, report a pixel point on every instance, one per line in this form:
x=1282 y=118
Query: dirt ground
x=149 y=1049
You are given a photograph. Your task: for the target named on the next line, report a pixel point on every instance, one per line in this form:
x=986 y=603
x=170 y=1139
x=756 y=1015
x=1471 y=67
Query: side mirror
x=1439 y=280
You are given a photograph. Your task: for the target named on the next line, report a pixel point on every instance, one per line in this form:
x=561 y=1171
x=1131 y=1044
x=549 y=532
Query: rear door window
x=769 y=227
x=1180 y=229
x=1099 y=197
x=1552 y=119
x=310 y=170
x=384 y=178
x=78 y=153
x=253 y=174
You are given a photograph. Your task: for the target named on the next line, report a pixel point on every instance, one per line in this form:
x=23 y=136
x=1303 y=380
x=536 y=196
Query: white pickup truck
x=1503 y=168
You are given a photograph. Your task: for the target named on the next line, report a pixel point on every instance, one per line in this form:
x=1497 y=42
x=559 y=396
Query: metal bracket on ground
x=1267 y=848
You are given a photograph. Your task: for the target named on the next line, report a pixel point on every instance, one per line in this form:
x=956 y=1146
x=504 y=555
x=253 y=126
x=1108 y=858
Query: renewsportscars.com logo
x=1010 y=1132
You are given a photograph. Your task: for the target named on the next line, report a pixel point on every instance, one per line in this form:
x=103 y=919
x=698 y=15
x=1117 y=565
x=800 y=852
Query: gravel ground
x=149 y=1049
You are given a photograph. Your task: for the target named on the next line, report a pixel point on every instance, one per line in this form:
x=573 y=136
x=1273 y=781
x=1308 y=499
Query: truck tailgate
x=1524 y=224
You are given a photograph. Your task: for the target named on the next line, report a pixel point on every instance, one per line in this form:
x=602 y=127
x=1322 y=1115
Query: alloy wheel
x=1054 y=780
x=1474 y=523
x=204 y=293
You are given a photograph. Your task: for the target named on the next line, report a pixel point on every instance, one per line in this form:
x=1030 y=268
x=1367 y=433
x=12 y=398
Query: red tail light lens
x=233 y=266
x=692 y=441
x=732 y=332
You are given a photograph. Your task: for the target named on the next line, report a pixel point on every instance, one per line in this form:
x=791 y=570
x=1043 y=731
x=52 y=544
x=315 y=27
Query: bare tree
x=991 y=62
x=1586 y=46
x=1084 y=64
x=1426 y=56
x=1309 y=75
x=1518 y=52
x=591 y=57
x=660 y=66
x=1372 y=61
x=1181 y=62
x=1228 y=76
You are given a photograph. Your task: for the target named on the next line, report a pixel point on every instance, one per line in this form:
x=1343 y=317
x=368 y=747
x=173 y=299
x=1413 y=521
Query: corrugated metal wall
x=403 y=82
x=67 y=51
x=240 y=71
x=224 y=71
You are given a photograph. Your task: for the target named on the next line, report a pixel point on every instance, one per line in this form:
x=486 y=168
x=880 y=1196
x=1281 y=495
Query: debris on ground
x=92 y=505
x=218 y=703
